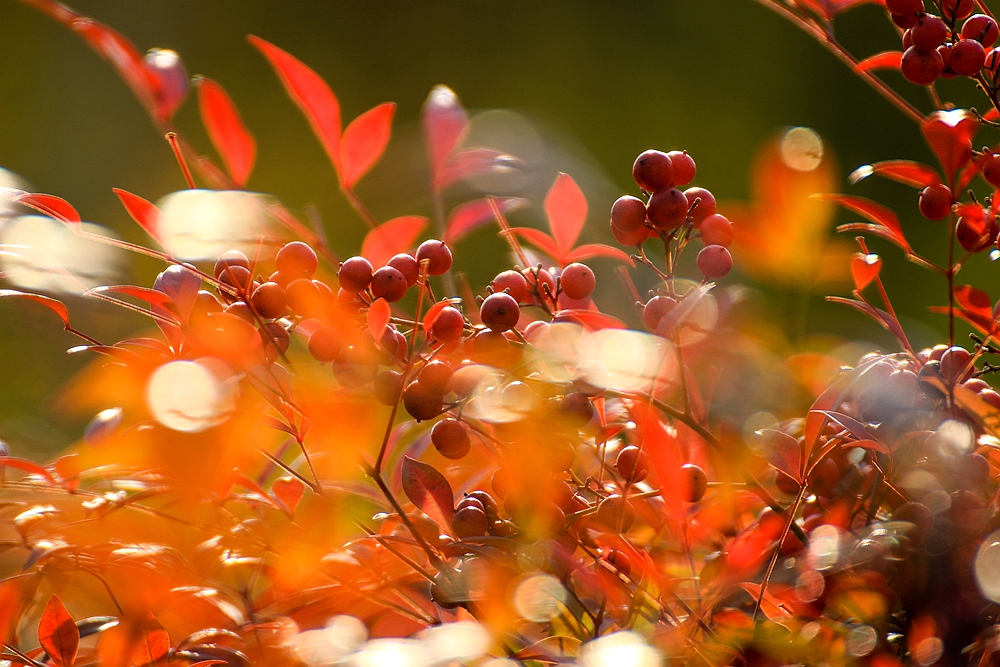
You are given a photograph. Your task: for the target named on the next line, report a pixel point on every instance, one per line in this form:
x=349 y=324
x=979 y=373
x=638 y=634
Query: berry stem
x=777 y=550
x=179 y=154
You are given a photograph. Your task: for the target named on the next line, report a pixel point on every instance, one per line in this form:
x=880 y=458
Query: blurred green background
x=597 y=83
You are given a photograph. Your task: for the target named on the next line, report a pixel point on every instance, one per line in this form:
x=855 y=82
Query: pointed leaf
x=539 y=239
x=364 y=141
x=29 y=467
x=828 y=400
x=664 y=453
x=878 y=214
x=153 y=644
x=864 y=269
x=471 y=215
x=887 y=321
x=588 y=250
x=391 y=238
x=52 y=206
x=311 y=93
x=445 y=126
x=57 y=633
x=126 y=59
x=378 y=317
x=143 y=212
x=974 y=300
x=590 y=319
x=429 y=490
x=906 y=172
x=151 y=296
x=782 y=451
x=231 y=138
x=56 y=306
x=884 y=60
x=566 y=209
x=289 y=490
x=949 y=134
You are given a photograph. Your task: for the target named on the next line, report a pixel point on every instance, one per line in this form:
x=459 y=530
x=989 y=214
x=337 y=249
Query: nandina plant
x=310 y=452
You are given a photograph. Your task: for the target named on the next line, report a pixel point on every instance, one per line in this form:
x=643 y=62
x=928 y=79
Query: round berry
x=991 y=169
x=296 y=258
x=935 y=202
x=904 y=6
x=499 y=312
x=921 y=67
x=451 y=438
x=238 y=278
x=655 y=309
x=577 y=408
x=470 y=522
x=716 y=230
x=684 y=167
x=389 y=284
x=230 y=258
x=905 y=21
x=955 y=364
x=714 y=261
x=488 y=503
x=490 y=347
x=628 y=213
x=632 y=464
x=438 y=255
x=618 y=559
x=449 y=325
x=945 y=52
x=667 y=208
x=241 y=310
x=355 y=274
x=387 y=387
x=434 y=376
x=706 y=204
x=694 y=483
x=907 y=39
x=992 y=65
x=514 y=283
x=991 y=397
x=653 y=171
x=615 y=511
x=204 y=303
x=269 y=300
x=304 y=297
x=967 y=57
x=981 y=28
x=577 y=281
x=421 y=403
x=929 y=33
x=956 y=10
x=631 y=238
x=406 y=264
x=275 y=339
x=324 y=344
x=974 y=237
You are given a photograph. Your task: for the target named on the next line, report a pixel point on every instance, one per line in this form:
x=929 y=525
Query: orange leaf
x=566 y=209
x=52 y=206
x=289 y=490
x=57 y=633
x=225 y=128
x=884 y=60
x=590 y=319
x=391 y=238
x=310 y=93
x=143 y=212
x=974 y=300
x=58 y=307
x=153 y=644
x=16 y=594
x=378 y=317
x=588 y=250
x=364 y=141
x=864 y=269
x=540 y=240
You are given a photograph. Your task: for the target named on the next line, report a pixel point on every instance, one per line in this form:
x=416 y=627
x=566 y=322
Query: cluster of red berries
x=935 y=46
x=673 y=214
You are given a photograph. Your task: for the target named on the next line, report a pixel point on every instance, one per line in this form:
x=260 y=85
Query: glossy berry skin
x=981 y=28
x=614 y=512
x=684 y=167
x=706 y=204
x=324 y=344
x=667 y=209
x=716 y=230
x=714 y=261
x=305 y=297
x=407 y=265
x=488 y=502
x=577 y=281
x=438 y=255
x=451 y=438
x=355 y=274
x=632 y=464
x=389 y=284
x=387 y=387
x=470 y=521
x=619 y=559
x=991 y=169
x=231 y=258
x=628 y=213
x=631 y=238
x=957 y=9
x=449 y=325
x=975 y=237
x=904 y=6
x=421 y=403
x=514 y=283
x=655 y=309
x=577 y=408
x=904 y=21
x=499 y=312
x=694 y=483
x=929 y=33
x=935 y=202
x=434 y=376
x=653 y=171
x=269 y=300
x=955 y=364
x=237 y=277
x=921 y=67
x=967 y=57
x=296 y=258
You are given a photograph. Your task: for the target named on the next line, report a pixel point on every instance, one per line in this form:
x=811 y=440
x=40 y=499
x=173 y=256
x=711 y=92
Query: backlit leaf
x=52 y=206
x=429 y=490
x=884 y=60
x=589 y=250
x=887 y=321
x=590 y=319
x=153 y=644
x=364 y=141
x=229 y=135
x=16 y=594
x=864 y=269
x=29 y=467
x=974 y=300
x=539 y=239
x=782 y=451
x=949 y=134
x=57 y=633
x=391 y=238
x=471 y=215
x=143 y=212
x=445 y=126
x=566 y=209
x=470 y=163
x=378 y=317
x=876 y=213
x=902 y=171
x=56 y=306
x=126 y=59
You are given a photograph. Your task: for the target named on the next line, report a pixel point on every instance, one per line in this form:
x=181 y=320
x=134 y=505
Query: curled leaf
x=906 y=172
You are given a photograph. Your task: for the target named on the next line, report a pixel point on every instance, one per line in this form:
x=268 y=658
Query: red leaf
x=445 y=126
x=151 y=296
x=153 y=645
x=435 y=310
x=429 y=490
x=950 y=134
x=16 y=594
x=864 y=269
x=289 y=490
x=311 y=93
x=887 y=321
x=229 y=135
x=142 y=211
x=664 y=453
x=906 y=172
x=58 y=307
x=471 y=215
x=126 y=59
x=472 y=162
x=783 y=452
x=974 y=300
x=590 y=319
x=52 y=206
x=364 y=141
x=378 y=317
x=539 y=239
x=27 y=466
x=876 y=213
x=391 y=238
x=566 y=209
x=588 y=250
x=57 y=633
x=884 y=60
x=828 y=400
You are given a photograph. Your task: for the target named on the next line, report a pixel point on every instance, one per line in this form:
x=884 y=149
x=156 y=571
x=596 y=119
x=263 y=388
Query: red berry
x=616 y=512
x=684 y=167
x=955 y=364
x=577 y=408
x=655 y=309
x=991 y=169
x=694 y=483
x=269 y=300
x=514 y=282
x=714 y=261
x=921 y=67
x=231 y=258
x=956 y=10
x=304 y=297
x=296 y=258
x=434 y=376
x=421 y=403
x=991 y=397
x=976 y=237
x=967 y=57
x=241 y=310
x=499 y=312
x=904 y=6
x=706 y=204
x=238 y=277
x=992 y=65
x=324 y=344
x=407 y=265
x=929 y=33
x=387 y=387
x=470 y=522
x=907 y=39
x=451 y=438
x=449 y=325
x=628 y=213
x=786 y=484
x=439 y=255
x=825 y=477
x=619 y=559
x=667 y=209
x=716 y=230
x=488 y=502
x=945 y=52
x=631 y=238
x=981 y=28
x=577 y=281
x=355 y=274
x=905 y=21
x=935 y=202
x=632 y=464
x=490 y=347
x=389 y=284
x=653 y=171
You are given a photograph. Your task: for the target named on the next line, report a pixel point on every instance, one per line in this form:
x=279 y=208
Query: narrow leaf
x=391 y=238
x=126 y=59
x=57 y=633
x=906 y=172
x=473 y=162
x=231 y=138
x=864 y=269
x=429 y=490
x=445 y=126
x=876 y=213
x=880 y=316
x=58 y=307
x=588 y=250
x=884 y=60
x=590 y=319
x=974 y=300
x=471 y=215
x=143 y=212
x=378 y=317
x=310 y=93
x=828 y=400
x=566 y=209
x=364 y=141
x=52 y=206
x=540 y=240
x=29 y=467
